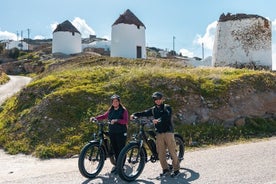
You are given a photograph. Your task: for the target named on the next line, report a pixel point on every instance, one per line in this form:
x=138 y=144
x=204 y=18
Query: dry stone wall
x=243 y=39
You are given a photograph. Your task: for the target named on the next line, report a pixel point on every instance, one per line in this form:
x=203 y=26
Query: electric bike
x=93 y=154
x=135 y=155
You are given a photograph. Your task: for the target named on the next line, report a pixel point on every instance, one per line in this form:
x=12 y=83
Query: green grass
x=3 y=78
x=217 y=134
x=49 y=118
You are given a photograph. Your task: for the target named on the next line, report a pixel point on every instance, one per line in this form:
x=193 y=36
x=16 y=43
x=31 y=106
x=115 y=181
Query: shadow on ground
x=186 y=176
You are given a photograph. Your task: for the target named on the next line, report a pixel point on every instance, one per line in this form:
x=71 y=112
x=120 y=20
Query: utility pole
x=28 y=33
x=173 y=44
x=21 y=39
x=202 y=50
x=28 y=38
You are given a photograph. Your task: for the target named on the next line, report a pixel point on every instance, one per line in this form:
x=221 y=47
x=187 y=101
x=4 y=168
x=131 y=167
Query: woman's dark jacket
x=120 y=114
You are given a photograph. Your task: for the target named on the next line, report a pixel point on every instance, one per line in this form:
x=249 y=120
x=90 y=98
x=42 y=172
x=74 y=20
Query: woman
x=117 y=114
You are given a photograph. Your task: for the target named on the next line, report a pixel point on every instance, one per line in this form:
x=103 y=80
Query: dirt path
x=15 y=84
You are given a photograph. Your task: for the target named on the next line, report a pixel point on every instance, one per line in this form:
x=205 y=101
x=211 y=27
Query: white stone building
x=94 y=42
x=128 y=37
x=21 y=45
x=242 y=39
x=66 y=39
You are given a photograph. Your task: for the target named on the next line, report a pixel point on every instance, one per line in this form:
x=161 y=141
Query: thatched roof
x=128 y=18
x=66 y=26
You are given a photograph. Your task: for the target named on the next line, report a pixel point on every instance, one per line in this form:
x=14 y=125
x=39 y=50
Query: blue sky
x=190 y=22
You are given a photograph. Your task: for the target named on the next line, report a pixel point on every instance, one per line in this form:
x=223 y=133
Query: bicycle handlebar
x=94 y=120
x=142 y=121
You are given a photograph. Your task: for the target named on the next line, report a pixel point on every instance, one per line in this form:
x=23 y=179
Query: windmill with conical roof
x=66 y=39
x=128 y=37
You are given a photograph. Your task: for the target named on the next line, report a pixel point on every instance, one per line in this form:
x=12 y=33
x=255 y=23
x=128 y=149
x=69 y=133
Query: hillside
x=3 y=77
x=49 y=118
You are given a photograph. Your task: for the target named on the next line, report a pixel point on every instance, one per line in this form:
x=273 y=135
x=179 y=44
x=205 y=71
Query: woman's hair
x=120 y=104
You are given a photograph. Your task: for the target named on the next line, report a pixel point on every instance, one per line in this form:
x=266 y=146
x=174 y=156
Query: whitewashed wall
x=243 y=41
x=66 y=43
x=16 y=44
x=98 y=44
x=124 y=40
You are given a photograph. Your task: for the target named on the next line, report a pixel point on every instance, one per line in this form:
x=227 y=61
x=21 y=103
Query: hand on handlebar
x=155 y=121
x=92 y=119
x=132 y=117
x=113 y=121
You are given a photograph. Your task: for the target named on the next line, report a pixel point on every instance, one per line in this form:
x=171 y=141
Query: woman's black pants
x=118 y=141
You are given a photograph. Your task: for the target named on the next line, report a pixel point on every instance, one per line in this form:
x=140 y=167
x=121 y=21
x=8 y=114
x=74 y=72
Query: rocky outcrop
x=22 y=67
x=231 y=109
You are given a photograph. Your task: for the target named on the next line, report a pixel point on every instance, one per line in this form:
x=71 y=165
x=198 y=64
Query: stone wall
x=243 y=39
x=241 y=104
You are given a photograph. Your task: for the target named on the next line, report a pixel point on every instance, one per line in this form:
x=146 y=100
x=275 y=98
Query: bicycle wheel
x=91 y=160
x=131 y=162
x=180 y=148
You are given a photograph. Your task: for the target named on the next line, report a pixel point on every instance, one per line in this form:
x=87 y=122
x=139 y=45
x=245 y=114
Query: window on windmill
x=73 y=33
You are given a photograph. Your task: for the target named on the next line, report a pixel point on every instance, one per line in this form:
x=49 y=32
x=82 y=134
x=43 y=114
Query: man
x=162 y=114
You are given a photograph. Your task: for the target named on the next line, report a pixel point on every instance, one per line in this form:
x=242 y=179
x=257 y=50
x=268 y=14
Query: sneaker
x=166 y=172
x=175 y=173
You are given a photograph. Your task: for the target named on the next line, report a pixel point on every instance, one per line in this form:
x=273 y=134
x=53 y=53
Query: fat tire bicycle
x=134 y=155
x=93 y=154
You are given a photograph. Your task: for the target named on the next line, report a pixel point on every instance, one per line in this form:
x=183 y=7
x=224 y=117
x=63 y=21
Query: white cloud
x=5 y=35
x=273 y=46
x=81 y=25
x=106 y=37
x=274 y=25
x=185 y=52
x=54 y=26
x=208 y=38
x=39 y=37
x=274 y=57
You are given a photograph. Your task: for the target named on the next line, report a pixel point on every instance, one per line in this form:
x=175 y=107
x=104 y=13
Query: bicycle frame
x=102 y=137
x=95 y=152
x=141 y=138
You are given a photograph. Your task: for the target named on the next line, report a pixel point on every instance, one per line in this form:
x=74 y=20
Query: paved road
x=250 y=163
x=15 y=84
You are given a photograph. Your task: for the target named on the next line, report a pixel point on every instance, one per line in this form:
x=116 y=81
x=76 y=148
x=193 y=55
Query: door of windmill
x=139 y=52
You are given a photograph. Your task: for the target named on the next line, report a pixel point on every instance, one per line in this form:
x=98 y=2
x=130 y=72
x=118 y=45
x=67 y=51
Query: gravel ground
x=248 y=163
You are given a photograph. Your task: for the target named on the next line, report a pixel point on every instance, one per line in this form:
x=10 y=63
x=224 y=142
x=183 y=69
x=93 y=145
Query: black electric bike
x=134 y=155
x=93 y=154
